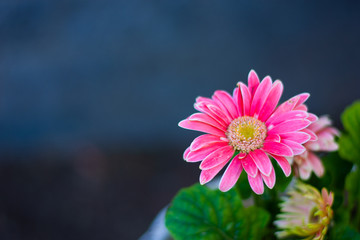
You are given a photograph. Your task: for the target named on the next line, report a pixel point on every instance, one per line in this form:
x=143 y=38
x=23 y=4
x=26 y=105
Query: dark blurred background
x=91 y=93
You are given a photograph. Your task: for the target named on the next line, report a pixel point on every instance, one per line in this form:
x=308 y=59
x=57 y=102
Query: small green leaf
x=350 y=142
x=200 y=213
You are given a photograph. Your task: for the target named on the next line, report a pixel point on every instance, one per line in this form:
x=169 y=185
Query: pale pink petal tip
x=253 y=79
x=186 y=153
x=302 y=98
x=269 y=180
x=312 y=117
x=256 y=184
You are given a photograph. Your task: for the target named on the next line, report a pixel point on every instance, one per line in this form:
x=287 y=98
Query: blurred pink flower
x=323 y=140
x=305 y=213
x=245 y=129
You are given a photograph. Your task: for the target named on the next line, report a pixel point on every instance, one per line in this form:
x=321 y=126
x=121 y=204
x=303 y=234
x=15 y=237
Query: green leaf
x=343 y=232
x=352 y=185
x=200 y=213
x=349 y=148
x=331 y=162
x=243 y=187
x=350 y=142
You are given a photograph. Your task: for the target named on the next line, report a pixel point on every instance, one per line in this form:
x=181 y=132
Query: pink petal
x=202 y=127
x=301 y=107
x=312 y=135
x=302 y=98
x=295 y=147
x=328 y=197
x=287 y=106
x=253 y=82
x=269 y=180
x=271 y=101
x=238 y=100
x=312 y=117
x=273 y=138
x=313 y=146
x=217 y=157
x=249 y=166
x=202 y=107
x=204 y=141
x=299 y=137
x=289 y=126
x=246 y=99
x=204 y=100
x=204 y=118
x=231 y=175
x=316 y=164
x=218 y=112
x=283 y=163
x=323 y=121
x=202 y=153
x=225 y=100
x=330 y=130
x=186 y=153
x=208 y=175
x=276 y=148
x=262 y=161
x=304 y=172
x=256 y=184
x=260 y=96
x=286 y=116
x=326 y=142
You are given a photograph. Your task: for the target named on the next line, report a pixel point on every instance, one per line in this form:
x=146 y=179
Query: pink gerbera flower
x=323 y=140
x=245 y=129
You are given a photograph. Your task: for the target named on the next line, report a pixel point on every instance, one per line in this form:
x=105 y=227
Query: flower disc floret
x=246 y=134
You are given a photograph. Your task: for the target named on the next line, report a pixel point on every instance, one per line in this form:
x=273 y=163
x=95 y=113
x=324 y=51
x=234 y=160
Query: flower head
x=322 y=140
x=245 y=128
x=305 y=213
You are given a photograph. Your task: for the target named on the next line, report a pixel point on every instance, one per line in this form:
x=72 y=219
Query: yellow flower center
x=246 y=134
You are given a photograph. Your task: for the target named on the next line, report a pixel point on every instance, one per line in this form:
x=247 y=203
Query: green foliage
x=343 y=232
x=243 y=187
x=200 y=213
x=350 y=149
x=350 y=141
x=352 y=185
